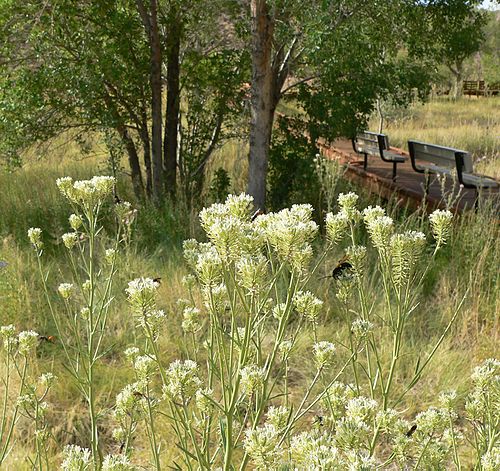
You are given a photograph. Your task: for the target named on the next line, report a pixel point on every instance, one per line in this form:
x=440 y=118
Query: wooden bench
x=473 y=87
x=370 y=143
x=434 y=159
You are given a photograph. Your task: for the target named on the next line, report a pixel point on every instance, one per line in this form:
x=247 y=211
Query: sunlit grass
x=471 y=124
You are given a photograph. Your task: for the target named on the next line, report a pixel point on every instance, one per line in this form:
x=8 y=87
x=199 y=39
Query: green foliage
x=292 y=171
x=220 y=185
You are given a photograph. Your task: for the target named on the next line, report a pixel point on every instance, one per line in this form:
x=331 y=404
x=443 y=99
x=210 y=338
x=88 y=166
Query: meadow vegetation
x=322 y=398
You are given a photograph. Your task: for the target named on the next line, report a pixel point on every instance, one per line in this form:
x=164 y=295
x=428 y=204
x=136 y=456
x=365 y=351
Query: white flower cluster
x=307 y=305
x=485 y=394
x=86 y=193
x=8 y=336
x=441 y=221
x=35 y=237
x=323 y=354
x=347 y=203
x=142 y=293
x=230 y=229
x=65 y=290
x=130 y=403
x=360 y=328
x=406 y=250
x=314 y=450
x=277 y=416
x=191 y=320
x=27 y=341
x=117 y=463
x=252 y=378
x=261 y=444
x=76 y=458
x=290 y=233
x=70 y=239
x=182 y=381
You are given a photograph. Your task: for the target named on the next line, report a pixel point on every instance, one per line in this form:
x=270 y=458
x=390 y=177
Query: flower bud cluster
x=27 y=341
x=406 y=250
x=9 y=338
x=380 y=230
x=347 y=203
x=290 y=233
x=125 y=213
x=485 y=394
x=323 y=354
x=360 y=328
x=278 y=416
x=182 y=381
x=356 y=254
x=35 y=237
x=70 y=239
x=336 y=398
x=76 y=458
x=315 y=450
x=86 y=193
x=66 y=290
x=261 y=444
x=252 y=378
x=191 y=320
x=142 y=293
x=336 y=226
x=131 y=403
x=441 y=221
x=252 y=272
x=204 y=401
x=307 y=305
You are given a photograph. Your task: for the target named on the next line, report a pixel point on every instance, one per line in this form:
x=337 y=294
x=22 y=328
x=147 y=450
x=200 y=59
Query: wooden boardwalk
x=409 y=185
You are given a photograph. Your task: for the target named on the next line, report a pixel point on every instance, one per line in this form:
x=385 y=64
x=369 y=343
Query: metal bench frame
x=463 y=165
x=383 y=145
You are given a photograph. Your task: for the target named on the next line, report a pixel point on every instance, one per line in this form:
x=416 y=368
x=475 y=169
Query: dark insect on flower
x=319 y=419
x=157 y=280
x=259 y=212
x=117 y=199
x=47 y=338
x=343 y=268
x=411 y=431
x=139 y=395
x=122 y=447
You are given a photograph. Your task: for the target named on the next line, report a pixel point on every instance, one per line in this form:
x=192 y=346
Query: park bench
x=371 y=143
x=473 y=87
x=434 y=159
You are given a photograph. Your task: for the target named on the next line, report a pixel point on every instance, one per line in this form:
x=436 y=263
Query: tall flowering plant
x=81 y=325
x=229 y=400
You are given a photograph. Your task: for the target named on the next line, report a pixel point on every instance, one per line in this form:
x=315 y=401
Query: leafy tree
x=342 y=56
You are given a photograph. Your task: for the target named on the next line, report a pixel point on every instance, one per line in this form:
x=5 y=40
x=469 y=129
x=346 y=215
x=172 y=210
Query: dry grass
x=472 y=124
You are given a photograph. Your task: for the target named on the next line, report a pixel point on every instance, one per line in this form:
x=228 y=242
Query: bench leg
x=427 y=183
x=394 y=171
x=365 y=162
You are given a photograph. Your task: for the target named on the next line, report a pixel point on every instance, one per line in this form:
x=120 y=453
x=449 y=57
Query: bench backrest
x=440 y=155
x=371 y=142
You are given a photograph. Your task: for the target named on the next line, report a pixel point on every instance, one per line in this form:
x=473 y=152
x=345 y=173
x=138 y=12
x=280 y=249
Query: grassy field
x=466 y=269
x=472 y=124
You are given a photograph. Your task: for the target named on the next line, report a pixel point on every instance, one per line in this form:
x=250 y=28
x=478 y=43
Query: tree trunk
x=173 y=103
x=263 y=101
x=146 y=149
x=150 y=21
x=133 y=160
x=458 y=75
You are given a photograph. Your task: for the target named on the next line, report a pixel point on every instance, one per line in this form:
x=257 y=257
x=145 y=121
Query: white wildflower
x=65 y=290
x=35 y=237
x=27 y=341
x=323 y=353
x=76 y=459
x=70 y=239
